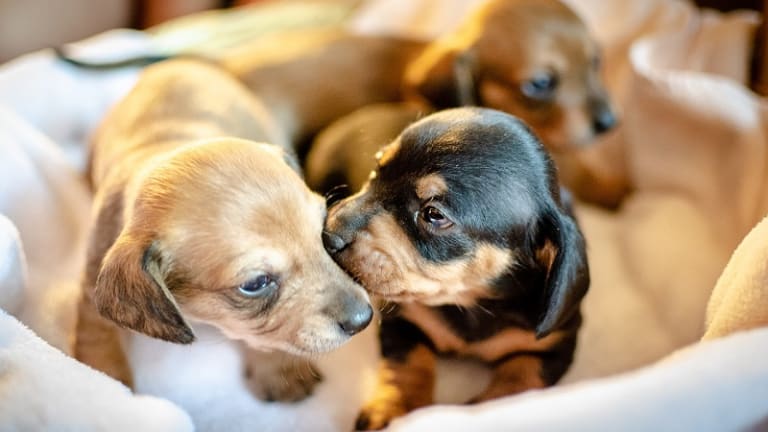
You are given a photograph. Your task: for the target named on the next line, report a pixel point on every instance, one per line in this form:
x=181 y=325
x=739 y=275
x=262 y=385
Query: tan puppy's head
x=534 y=59
x=226 y=233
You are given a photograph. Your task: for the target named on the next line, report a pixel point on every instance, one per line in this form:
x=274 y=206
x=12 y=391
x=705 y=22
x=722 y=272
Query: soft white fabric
x=46 y=201
x=43 y=389
x=13 y=267
x=696 y=152
x=692 y=390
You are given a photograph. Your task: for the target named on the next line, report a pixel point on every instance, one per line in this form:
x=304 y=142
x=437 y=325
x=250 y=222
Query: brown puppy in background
x=462 y=226
x=534 y=59
x=194 y=221
x=531 y=58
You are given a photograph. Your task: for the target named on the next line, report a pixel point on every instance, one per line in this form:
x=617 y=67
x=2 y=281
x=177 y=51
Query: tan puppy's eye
x=541 y=87
x=260 y=286
x=435 y=218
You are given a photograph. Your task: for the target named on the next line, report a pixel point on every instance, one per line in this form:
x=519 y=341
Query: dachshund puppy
x=531 y=58
x=196 y=221
x=342 y=155
x=534 y=59
x=463 y=228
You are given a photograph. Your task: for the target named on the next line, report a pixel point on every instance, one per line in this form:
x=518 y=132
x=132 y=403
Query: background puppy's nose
x=603 y=120
x=357 y=320
x=333 y=243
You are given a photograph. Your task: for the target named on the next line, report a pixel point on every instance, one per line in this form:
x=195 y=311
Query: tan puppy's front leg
x=280 y=377
x=513 y=376
x=97 y=343
x=403 y=386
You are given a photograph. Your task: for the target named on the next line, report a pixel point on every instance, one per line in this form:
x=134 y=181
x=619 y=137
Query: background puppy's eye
x=435 y=218
x=540 y=87
x=259 y=286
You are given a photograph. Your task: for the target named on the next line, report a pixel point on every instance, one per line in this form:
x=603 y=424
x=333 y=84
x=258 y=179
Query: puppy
x=342 y=155
x=196 y=222
x=463 y=228
x=531 y=58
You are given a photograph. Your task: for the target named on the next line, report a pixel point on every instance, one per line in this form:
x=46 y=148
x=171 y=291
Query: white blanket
x=696 y=152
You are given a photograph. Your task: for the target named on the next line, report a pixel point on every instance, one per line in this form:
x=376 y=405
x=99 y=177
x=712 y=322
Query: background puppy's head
x=464 y=205
x=534 y=59
x=226 y=233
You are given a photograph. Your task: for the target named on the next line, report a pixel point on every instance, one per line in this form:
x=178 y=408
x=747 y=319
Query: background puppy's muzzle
x=603 y=117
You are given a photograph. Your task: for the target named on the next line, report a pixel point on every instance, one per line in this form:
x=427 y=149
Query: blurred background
x=28 y=25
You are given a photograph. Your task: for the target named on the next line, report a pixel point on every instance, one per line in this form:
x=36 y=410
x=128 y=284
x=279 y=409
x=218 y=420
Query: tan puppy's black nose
x=333 y=243
x=357 y=320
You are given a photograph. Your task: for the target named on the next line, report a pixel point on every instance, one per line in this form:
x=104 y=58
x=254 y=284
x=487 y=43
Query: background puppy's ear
x=563 y=253
x=443 y=77
x=131 y=291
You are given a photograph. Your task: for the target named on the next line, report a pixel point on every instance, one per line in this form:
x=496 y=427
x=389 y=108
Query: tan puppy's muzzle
x=351 y=311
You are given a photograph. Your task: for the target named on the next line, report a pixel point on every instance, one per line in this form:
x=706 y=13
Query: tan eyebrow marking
x=431 y=185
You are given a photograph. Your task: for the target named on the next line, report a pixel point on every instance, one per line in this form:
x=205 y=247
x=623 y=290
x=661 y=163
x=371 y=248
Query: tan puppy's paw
x=378 y=414
x=280 y=377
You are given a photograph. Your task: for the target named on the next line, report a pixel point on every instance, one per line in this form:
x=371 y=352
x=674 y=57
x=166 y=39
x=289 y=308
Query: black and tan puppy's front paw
x=279 y=377
x=378 y=414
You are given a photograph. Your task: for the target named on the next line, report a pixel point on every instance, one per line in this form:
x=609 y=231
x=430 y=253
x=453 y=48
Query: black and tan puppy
x=200 y=216
x=463 y=227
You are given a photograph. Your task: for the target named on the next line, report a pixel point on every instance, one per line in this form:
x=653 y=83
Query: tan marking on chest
x=507 y=341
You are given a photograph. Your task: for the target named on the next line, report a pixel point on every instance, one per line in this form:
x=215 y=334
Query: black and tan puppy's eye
x=259 y=286
x=541 y=87
x=435 y=218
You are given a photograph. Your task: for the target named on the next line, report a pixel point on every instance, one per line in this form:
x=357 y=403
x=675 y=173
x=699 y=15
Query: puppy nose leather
x=603 y=121
x=357 y=321
x=333 y=243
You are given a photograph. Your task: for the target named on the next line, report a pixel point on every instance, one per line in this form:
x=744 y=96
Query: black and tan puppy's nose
x=357 y=320
x=333 y=243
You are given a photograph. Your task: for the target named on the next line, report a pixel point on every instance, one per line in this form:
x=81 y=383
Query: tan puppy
x=531 y=58
x=194 y=225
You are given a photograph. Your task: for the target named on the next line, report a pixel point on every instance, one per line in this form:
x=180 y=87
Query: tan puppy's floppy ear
x=443 y=77
x=563 y=253
x=131 y=291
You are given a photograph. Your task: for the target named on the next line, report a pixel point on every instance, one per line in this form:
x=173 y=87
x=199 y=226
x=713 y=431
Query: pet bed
x=692 y=143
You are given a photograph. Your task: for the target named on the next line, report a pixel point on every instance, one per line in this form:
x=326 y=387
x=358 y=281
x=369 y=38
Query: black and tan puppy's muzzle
x=344 y=221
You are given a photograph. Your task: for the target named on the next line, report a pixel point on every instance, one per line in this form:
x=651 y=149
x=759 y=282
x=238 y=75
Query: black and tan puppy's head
x=226 y=233
x=464 y=205
x=534 y=59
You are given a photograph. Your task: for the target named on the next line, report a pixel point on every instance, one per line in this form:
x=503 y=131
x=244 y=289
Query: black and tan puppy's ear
x=443 y=77
x=563 y=253
x=131 y=291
